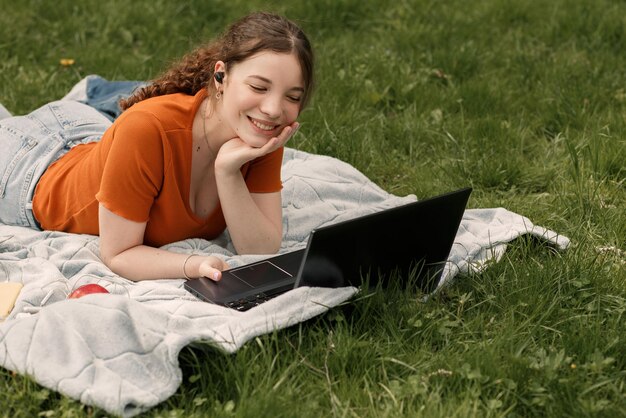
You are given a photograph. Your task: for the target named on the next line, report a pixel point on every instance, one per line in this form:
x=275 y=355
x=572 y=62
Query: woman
x=197 y=150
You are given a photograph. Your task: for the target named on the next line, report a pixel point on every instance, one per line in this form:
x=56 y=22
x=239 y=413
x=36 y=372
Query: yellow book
x=8 y=295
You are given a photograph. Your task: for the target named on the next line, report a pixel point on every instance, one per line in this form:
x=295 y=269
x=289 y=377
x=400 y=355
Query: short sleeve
x=134 y=167
x=263 y=174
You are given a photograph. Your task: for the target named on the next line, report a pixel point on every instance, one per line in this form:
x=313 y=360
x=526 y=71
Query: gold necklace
x=206 y=138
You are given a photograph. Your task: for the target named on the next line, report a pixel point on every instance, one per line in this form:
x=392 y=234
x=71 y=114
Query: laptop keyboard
x=247 y=303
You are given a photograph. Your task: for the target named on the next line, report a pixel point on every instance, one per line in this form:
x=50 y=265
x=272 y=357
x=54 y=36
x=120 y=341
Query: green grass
x=523 y=100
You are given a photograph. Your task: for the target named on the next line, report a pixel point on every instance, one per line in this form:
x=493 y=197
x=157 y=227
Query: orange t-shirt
x=141 y=171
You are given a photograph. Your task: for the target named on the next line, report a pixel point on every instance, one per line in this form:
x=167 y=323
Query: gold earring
x=218 y=95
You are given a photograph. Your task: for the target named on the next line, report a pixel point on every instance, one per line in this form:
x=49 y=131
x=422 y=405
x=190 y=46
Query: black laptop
x=412 y=240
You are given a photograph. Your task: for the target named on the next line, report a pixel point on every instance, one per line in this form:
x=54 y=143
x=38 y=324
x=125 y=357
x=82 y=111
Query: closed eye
x=258 y=88
x=261 y=89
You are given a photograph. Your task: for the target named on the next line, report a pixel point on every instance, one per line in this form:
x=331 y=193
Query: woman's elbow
x=106 y=257
x=272 y=249
x=114 y=262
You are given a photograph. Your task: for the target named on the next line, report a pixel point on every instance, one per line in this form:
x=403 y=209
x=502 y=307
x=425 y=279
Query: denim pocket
x=15 y=147
x=79 y=123
x=70 y=114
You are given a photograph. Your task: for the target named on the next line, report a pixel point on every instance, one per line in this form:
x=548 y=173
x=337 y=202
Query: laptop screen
x=413 y=240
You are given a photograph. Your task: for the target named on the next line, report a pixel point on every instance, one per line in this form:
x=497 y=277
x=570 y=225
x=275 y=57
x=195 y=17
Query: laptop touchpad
x=261 y=273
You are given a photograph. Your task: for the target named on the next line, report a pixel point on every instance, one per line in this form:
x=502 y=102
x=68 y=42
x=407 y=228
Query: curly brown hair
x=248 y=36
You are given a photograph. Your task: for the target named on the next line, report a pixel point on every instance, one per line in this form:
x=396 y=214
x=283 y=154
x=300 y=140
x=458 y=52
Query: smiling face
x=260 y=96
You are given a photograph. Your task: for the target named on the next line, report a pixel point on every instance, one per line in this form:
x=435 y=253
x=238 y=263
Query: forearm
x=122 y=251
x=147 y=263
x=251 y=231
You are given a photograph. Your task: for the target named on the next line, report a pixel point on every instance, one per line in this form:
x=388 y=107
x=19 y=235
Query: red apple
x=86 y=290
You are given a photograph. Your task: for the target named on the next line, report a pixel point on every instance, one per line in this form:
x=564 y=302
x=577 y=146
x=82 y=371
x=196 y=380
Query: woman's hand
x=210 y=267
x=235 y=153
x=254 y=220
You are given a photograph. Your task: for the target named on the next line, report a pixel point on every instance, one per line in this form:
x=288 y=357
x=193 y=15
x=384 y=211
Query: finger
x=296 y=127
x=213 y=274
x=211 y=268
x=275 y=142
x=271 y=145
x=289 y=131
x=283 y=137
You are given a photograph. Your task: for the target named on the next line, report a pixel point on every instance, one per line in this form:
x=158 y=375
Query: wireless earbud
x=219 y=77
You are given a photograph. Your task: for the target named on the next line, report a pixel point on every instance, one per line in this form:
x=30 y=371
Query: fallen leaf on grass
x=67 y=62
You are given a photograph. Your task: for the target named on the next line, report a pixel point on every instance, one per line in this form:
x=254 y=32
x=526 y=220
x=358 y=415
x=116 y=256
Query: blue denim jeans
x=30 y=143
x=104 y=95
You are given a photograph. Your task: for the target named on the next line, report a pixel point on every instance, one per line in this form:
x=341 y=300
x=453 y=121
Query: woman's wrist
x=225 y=171
x=187 y=268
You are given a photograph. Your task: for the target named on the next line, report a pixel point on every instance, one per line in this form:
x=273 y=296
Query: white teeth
x=262 y=126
